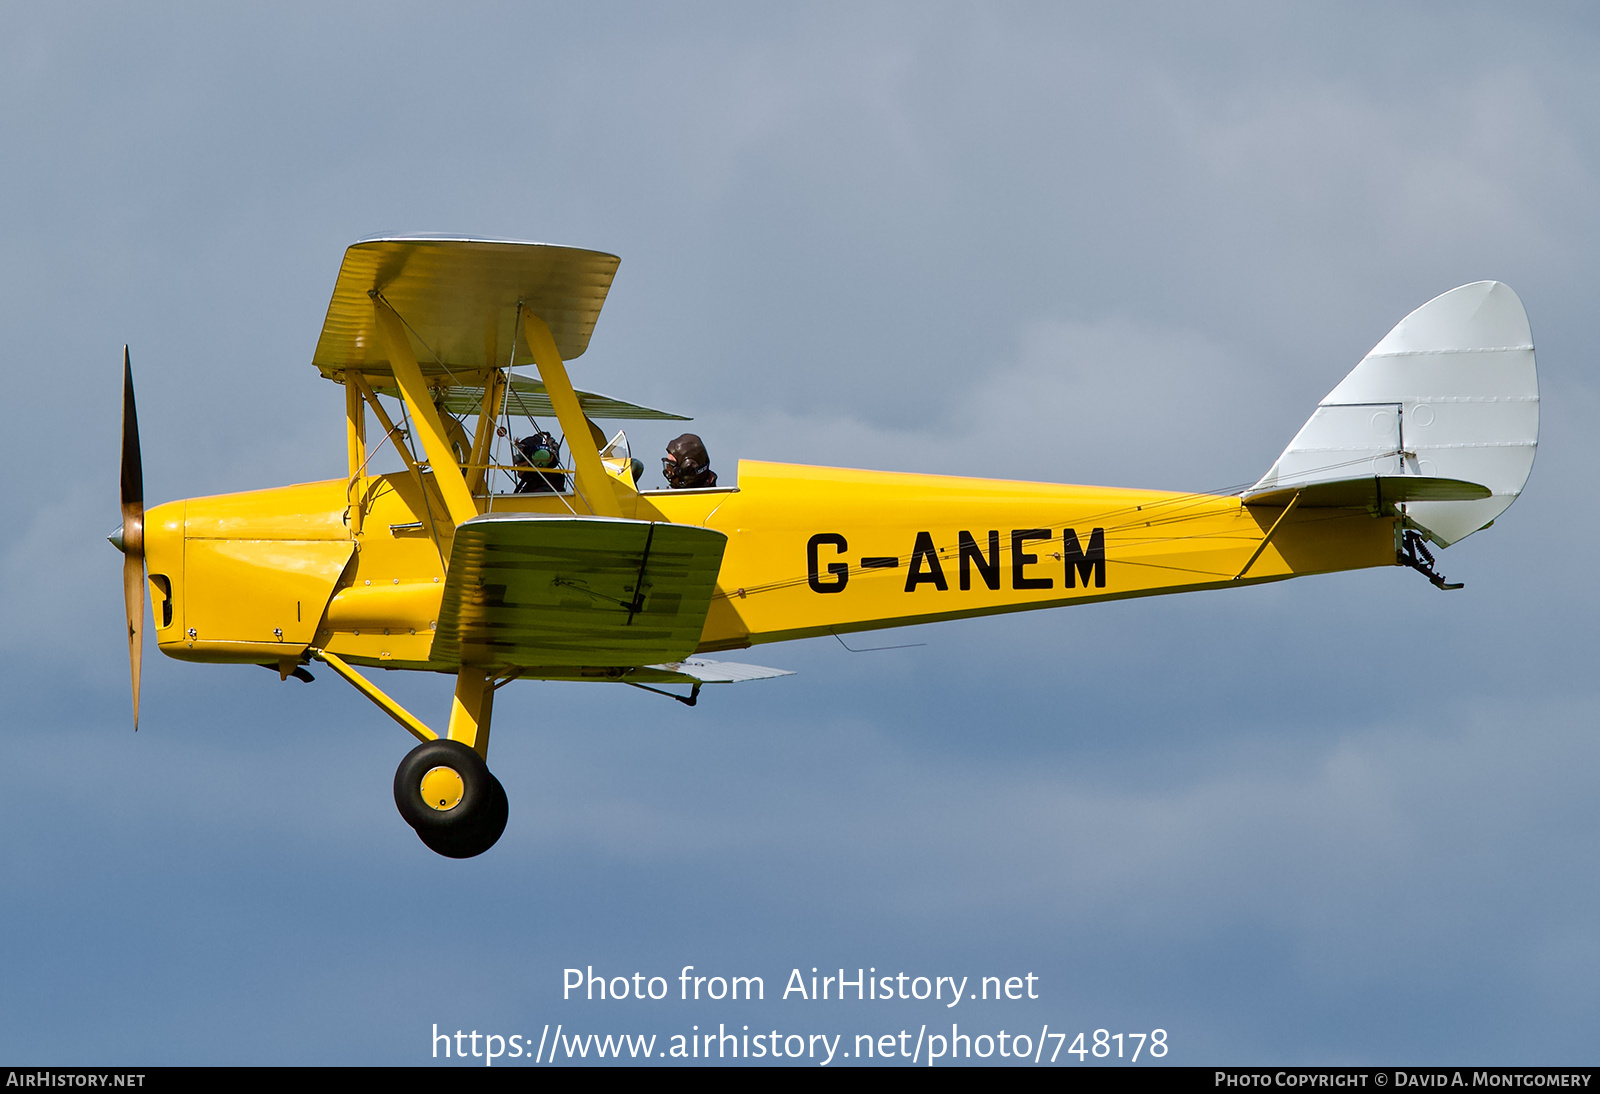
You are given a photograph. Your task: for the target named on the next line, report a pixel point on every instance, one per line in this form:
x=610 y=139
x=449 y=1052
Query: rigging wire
x=512 y=391
x=1101 y=520
x=407 y=324
x=371 y=452
x=422 y=483
x=1139 y=515
x=494 y=443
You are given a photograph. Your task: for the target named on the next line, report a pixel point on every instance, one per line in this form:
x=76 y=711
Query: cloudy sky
x=1347 y=819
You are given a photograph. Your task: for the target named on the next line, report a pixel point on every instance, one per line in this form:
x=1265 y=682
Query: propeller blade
x=130 y=537
x=132 y=466
x=133 y=597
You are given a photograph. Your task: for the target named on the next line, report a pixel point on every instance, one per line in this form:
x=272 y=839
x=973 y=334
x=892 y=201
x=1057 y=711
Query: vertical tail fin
x=1450 y=396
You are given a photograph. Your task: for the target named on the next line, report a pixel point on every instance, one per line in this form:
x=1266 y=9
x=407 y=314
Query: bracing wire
x=422 y=341
x=422 y=483
x=1171 y=511
x=512 y=391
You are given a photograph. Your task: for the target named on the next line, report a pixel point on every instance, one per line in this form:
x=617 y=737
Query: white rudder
x=1439 y=421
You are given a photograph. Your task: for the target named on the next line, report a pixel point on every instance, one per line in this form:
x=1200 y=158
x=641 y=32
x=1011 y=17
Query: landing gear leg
x=444 y=789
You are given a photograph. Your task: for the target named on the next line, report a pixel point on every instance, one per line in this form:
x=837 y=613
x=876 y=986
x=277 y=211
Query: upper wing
x=531 y=591
x=460 y=297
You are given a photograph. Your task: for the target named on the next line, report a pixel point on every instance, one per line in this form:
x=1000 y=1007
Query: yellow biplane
x=444 y=567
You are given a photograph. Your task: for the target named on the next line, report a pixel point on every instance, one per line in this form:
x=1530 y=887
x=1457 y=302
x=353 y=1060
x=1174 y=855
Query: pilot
x=686 y=465
x=536 y=452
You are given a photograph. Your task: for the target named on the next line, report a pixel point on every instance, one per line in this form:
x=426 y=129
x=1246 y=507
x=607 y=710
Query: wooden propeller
x=129 y=538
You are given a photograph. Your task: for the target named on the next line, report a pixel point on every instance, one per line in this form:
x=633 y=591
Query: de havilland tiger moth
x=444 y=347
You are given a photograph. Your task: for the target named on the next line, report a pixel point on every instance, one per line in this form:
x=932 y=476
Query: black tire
x=477 y=789
x=475 y=839
x=495 y=816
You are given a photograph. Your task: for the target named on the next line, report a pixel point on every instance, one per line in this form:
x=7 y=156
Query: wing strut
x=408 y=374
x=592 y=481
x=397 y=435
x=355 y=433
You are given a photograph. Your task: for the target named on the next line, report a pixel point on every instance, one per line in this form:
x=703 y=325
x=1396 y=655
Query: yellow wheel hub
x=442 y=788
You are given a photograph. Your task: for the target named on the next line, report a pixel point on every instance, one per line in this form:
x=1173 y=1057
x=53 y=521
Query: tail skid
x=1415 y=554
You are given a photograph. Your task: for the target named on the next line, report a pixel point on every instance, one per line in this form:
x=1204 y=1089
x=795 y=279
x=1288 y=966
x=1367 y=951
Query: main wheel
x=445 y=792
x=473 y=839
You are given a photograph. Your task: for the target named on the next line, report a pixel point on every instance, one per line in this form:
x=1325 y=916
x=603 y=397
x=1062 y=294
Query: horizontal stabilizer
x=532 y=591
x=718 y=672
x=1450 y=395
x=1380 y=493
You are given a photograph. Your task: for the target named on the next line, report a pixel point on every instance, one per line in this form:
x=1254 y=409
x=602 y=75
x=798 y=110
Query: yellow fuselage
x=261 y=576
